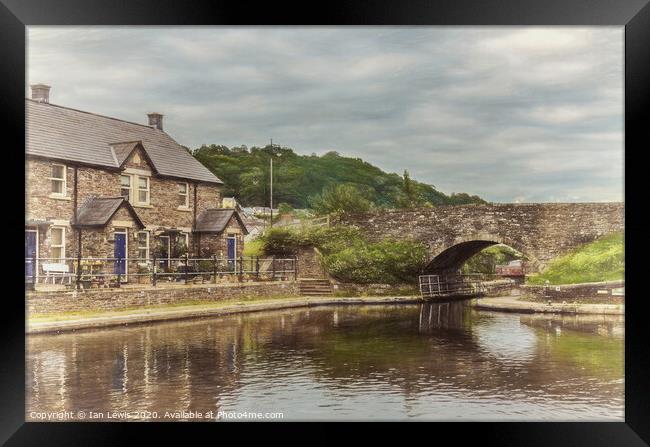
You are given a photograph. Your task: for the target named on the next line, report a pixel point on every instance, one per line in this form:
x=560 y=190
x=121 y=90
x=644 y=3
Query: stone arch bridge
x=455 y=233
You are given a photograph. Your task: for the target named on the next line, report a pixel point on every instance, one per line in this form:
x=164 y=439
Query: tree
x=409 y=196
x=341 y=198
x=285 y=208
x=297 y=178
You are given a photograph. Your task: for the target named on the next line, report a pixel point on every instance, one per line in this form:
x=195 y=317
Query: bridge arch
x=451 y=256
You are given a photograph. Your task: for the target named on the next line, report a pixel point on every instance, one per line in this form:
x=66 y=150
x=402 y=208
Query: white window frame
x=130 y=187
x=138 y=189
x=64 y=180
x=187 y=194
x=61 y=258
x=146 y=247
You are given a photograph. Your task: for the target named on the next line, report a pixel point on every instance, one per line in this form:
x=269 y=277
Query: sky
x=513 y=114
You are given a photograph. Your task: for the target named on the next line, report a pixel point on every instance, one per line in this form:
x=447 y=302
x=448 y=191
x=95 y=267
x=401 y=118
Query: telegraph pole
x=271 y=180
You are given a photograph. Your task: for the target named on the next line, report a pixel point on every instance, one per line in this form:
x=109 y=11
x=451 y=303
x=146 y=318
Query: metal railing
x=306 y=223
x=91 y=272
x=451 y=285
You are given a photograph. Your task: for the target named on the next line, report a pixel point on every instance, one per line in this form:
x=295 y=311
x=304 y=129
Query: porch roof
x=98 y=211
x=215 y=220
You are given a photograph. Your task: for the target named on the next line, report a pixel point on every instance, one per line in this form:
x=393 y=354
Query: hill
x=297 y=179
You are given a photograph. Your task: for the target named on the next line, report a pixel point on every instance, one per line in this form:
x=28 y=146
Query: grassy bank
x=601 y=260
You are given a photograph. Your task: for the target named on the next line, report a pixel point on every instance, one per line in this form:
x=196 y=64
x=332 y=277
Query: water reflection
x=433 y=361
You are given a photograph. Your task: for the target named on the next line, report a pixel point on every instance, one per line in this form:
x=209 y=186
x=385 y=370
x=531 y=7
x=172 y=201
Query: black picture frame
x=15 y=15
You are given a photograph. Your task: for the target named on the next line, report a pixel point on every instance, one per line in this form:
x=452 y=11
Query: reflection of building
x=113 y=188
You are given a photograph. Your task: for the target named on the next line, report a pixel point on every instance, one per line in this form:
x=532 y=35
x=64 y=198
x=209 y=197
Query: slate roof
x=66 y=134
x=215 y=220
x=98 y=211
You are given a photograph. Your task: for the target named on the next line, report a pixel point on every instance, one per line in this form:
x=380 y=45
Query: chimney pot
x=156 y=120
x=41 y=92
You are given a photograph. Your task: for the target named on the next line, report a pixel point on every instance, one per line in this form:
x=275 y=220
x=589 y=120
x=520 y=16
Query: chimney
x=40 y=92
x=155 y=120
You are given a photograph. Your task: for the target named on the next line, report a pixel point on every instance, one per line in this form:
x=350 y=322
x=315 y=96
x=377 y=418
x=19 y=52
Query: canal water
x=442 y=362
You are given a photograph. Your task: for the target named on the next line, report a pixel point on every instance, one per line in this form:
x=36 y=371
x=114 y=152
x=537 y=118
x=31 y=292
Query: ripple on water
x=432 y=362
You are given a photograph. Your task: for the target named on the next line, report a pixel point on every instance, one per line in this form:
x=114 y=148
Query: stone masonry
x=163 y=210
x=541 y=231
x=116 y=299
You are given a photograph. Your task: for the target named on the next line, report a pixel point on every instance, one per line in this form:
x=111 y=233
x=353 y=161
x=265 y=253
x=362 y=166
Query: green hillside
x=601 y=260
x=299 y=179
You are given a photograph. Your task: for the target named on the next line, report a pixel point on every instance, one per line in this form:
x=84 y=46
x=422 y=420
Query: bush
x=280 y=242
x=387 y=262
x=342 y=198
x=486 y=260
x=254 y=248
x=348 y=256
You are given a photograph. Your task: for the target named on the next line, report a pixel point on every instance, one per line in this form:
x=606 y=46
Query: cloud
x=509 y=113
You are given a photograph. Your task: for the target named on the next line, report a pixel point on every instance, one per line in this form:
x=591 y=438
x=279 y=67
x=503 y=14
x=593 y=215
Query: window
x=57 y=244
x=143 y=246
x=143 y=190
x=58 y=180
x=183 y=194
x=184 y=239
x=125 y=186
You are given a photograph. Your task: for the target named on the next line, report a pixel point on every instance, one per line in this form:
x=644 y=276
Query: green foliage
x=388 y=261
x=297 y=178
x=205 y=266
x=410 y=196
x=348 y=256
x=285 y=208
x=343 y=198
x=601 y=260
x=253 y=248
x=485 y=260
x=179 y=249
x=280 y=241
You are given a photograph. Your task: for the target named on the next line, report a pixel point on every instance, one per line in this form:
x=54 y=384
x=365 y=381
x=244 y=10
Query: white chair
x=57 y=270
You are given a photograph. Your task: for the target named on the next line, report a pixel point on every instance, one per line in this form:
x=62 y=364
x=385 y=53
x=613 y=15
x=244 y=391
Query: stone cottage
x=98 y=186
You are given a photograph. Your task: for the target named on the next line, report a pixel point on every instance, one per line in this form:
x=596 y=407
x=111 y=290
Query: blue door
x=30 y=255
x=231 y=251
x=119 y=253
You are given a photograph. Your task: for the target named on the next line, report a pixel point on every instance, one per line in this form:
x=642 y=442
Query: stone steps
x=314 y=287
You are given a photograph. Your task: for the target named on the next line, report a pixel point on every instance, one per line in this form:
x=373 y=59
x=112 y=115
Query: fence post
x=34 y=265
x=214 y=267
x=78 y=269
x=187 y=267
x=119 y=272
x=295 y=267
x=273 y=268
x=241 y=267
x=257 y=267
x=154 y=276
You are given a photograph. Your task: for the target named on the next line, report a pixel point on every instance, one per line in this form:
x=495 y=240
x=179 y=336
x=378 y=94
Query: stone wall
x=542 y=231
x=115 y=299
x=163 y=210
x=309 y=263
x=612 y=292
x=349 y=289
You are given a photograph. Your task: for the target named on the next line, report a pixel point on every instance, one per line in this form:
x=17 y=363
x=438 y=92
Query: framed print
x=374 y=213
